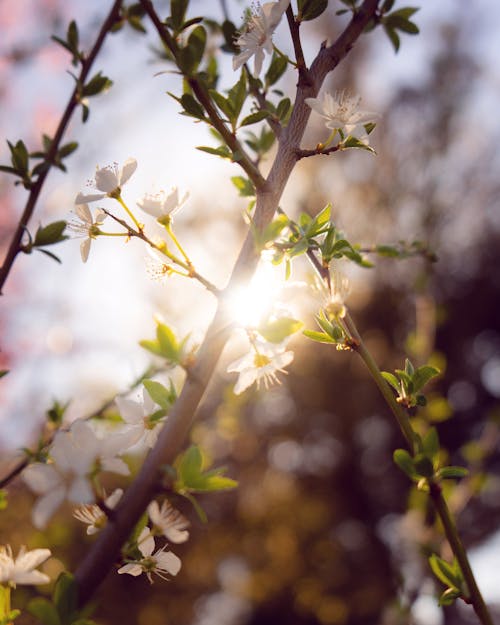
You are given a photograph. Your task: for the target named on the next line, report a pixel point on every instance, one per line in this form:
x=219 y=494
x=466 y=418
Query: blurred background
x=323 y=528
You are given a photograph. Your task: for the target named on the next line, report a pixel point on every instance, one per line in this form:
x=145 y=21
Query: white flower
x=103 y=451
x=256 y=37
x=161 y=205
x=63 y=478
x=108 y=181
x=261 y=363
x=142 y=417
x=168 y=521
x=337 y=295
x=162 y=562
x=86 y=227
x=94 y=516
x=21 y=570
x=341 y=113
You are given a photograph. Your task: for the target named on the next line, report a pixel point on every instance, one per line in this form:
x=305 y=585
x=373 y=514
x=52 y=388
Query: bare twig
x=15 y=244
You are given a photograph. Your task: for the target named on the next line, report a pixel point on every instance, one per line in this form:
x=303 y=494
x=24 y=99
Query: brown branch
x=294 y=26
x=306 y=153
x=106 y=549
x=239 y=153
x=15 y=244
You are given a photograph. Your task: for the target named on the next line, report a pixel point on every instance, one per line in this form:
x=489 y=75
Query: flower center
x=260 y=360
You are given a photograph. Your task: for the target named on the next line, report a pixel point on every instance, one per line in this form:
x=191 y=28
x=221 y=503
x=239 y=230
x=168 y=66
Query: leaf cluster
x=62 y=609
x=451 y=576
x=166 y=345
x=46 y=235
x=408 y=383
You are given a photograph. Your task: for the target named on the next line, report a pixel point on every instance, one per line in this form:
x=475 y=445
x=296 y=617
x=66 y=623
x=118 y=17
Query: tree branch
x=15 y=244
x=106 y=549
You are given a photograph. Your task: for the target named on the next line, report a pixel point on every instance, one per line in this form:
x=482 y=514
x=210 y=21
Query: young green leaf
x=277 y=330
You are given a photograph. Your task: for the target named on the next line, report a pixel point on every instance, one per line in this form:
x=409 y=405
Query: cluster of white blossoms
x=256 y=37
x=167 y=522
x=341 y=113
x=79 y=455
x=21 y=569
x=107 y=183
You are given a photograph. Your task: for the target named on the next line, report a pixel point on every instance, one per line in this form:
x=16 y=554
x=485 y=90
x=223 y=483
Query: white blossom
x=162 y=206
x=75 y=455
x=86 y=227
x=21 y=570
x=168 y=521
x=142 y=418
x=64 y=477
x=162 y=563
x=337 y=294
x=108 y=181
x=256 y=37
x=341 y=113
x=94 y=516
x=262 y=363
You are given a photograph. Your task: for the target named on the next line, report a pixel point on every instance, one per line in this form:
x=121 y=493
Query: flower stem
x=168 y=228
x=451 y=532
x=139 y=226
x=442 y=510
x=372 y=367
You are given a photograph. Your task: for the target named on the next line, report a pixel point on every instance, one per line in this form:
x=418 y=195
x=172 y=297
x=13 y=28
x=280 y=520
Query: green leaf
x=393 y=37
x=396 y=22
x=48 y=235
x=311 y=9
x=387 y=6
x=430 y=443
x=224 y=104
x=168 y=342
x=44 y=611
x=192 y=106
x=230 y=34
x=283 y=109
x=244 y=186
x=3 y=499
x=97 y=84
x=192 y=479
x=276 y=69
x=159 y=393
x=319 y=337
x=254 y=118
x=392 y=380
x=65 y=597
x=19 y=156
x=405 y=12
x=222 y=151
x=422 y=375
x=178 y=10
x=237 y=95
x=353 y=142
x=452 y=472
x=423 y=465
x=72 y=37
x=277 y=330
x=197 y=41
x=405 y=462
x=67 y=149
x=449 y=596
x=445 y=572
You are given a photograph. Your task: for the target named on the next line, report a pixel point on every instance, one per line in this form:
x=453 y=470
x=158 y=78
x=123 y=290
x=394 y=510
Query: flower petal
x=128 y=169
x=106 y=179
x=168 y=561
x=83 y=198
x=45 y=507
x=83 y=212
x=85 y=249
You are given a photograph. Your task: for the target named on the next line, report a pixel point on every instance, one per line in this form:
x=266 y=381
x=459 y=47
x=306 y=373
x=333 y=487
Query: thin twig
x=15 y=244
x=141 y=235
x=319 y=150
x=294 y=26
